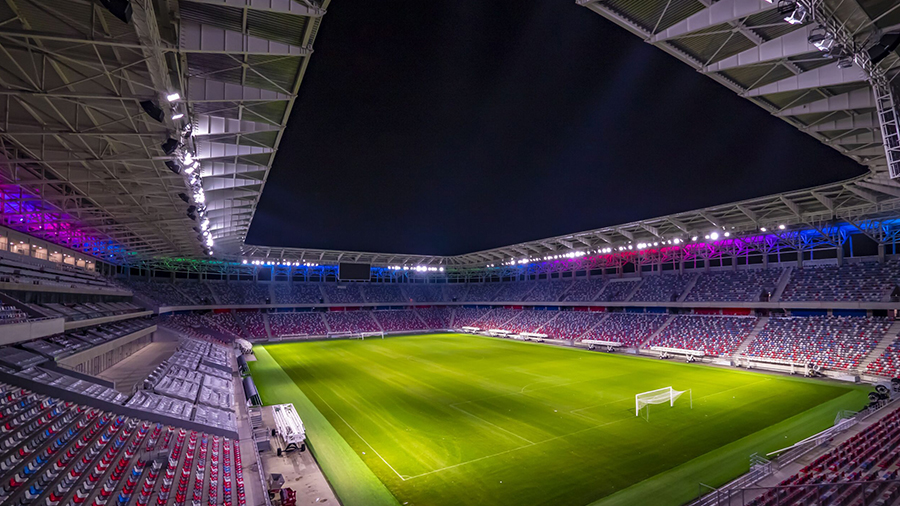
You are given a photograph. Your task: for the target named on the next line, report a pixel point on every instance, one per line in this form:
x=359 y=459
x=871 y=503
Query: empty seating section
x=224 y=322
x=398 y=321
x=469 y=317
x=285 y=324
x=160 y=292
x=435 y=317
x=61 y=345
x=571 y=324
x=32 y=271
x=423 y=293
x=510 y=292
x=497 y=319
x=374 y=292
x=584 y=290
x=196 y=291
x=241 y=292
x=856 y=282
x=297 y=293
x=351 y=321
x=869 y=456
x=11 y=314
x=888 y=363
x=254 y=323
x=529 y=321
x=545 y=291
x=617 y=291
x=481 y=292
x=662 y=287
x=626 y=328
x=342 y=293
x=833 y=342
x=57 y=453
x=85 y=311
x=738 y=286
x=714 y=335
x=455 y=292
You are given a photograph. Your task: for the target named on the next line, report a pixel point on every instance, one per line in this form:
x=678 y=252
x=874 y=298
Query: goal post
x=667 y=395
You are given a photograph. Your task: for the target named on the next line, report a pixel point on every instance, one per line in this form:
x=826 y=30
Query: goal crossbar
x=659 y=396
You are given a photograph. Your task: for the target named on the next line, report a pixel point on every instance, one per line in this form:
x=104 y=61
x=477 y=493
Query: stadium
x=745 y=353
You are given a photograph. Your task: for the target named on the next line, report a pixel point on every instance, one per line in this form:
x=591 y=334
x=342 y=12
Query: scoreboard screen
x=354 y=272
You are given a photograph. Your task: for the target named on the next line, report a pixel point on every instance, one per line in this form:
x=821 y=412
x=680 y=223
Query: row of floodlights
x=282 y=263
x=821 y=37
x=712 y=236
x=415 y=268
x=184 y=163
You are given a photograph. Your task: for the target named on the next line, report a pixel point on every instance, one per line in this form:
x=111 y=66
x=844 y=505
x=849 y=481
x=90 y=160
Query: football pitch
x=449 y=419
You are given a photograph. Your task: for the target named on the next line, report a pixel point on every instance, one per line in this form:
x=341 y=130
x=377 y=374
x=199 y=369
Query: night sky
x=448 y=127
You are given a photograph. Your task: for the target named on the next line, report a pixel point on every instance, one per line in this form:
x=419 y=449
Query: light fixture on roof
x=795 y=13
x=177 y=116
x=119 y=8
x=152 y=109
x=170 y=146
x=714 y=236
x=727 y=234
x=821 y=38
x=694 y=238
x=762 y=229
x=173 y=97
x=781 y=227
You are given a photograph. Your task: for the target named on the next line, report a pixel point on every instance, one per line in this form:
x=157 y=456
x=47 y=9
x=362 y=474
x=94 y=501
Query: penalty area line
x=402 y=478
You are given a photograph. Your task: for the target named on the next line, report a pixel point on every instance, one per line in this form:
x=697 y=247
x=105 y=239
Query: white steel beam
x=793 y=44
x=829 y=75
x=853 y=122
x=716 y=14
x=853 y=100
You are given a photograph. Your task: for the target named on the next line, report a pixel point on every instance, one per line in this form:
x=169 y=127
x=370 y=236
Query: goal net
x=667 y=395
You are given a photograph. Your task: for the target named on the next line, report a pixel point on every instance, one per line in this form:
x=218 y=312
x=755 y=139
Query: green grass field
x=452 y=419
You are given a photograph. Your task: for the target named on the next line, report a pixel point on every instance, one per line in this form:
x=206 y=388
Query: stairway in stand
x=761 y=324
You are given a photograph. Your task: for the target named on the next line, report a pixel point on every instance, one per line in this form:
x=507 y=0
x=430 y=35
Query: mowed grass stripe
x=469 y=420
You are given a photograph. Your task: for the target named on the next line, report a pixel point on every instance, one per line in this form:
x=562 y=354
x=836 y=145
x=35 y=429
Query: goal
x=667 y=395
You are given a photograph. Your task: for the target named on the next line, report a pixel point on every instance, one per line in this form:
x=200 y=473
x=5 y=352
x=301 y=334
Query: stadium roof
x=81 y=150
x=79 y=147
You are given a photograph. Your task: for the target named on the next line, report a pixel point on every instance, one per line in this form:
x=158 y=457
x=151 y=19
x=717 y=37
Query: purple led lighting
x=22 y=211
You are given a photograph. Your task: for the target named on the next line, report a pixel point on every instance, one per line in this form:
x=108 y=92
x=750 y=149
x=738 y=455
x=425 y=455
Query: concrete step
x=885 y=341
x=751 y=336
x=660 y=329
x=782 y=283
x=689 y=287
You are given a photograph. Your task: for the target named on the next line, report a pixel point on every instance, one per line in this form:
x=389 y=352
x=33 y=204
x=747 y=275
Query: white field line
x=514 y=449
x=403 y=478
x=490 y=423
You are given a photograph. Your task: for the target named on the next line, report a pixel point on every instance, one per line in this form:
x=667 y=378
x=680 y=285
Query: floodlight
x=152 y=110
x=169 y=146
x=781 y=227
x=173 y=97
x=797 y=16
x=173 y=166
x=714 y=236
x=177 y=116
x=245 y=262
x=694 y=238
x=727 y=234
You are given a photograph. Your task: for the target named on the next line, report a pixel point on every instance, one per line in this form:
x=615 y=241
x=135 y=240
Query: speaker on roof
x=152 y=110
x=173 y=166
x=183 y=196
x=119 y=8
x=883 y=47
